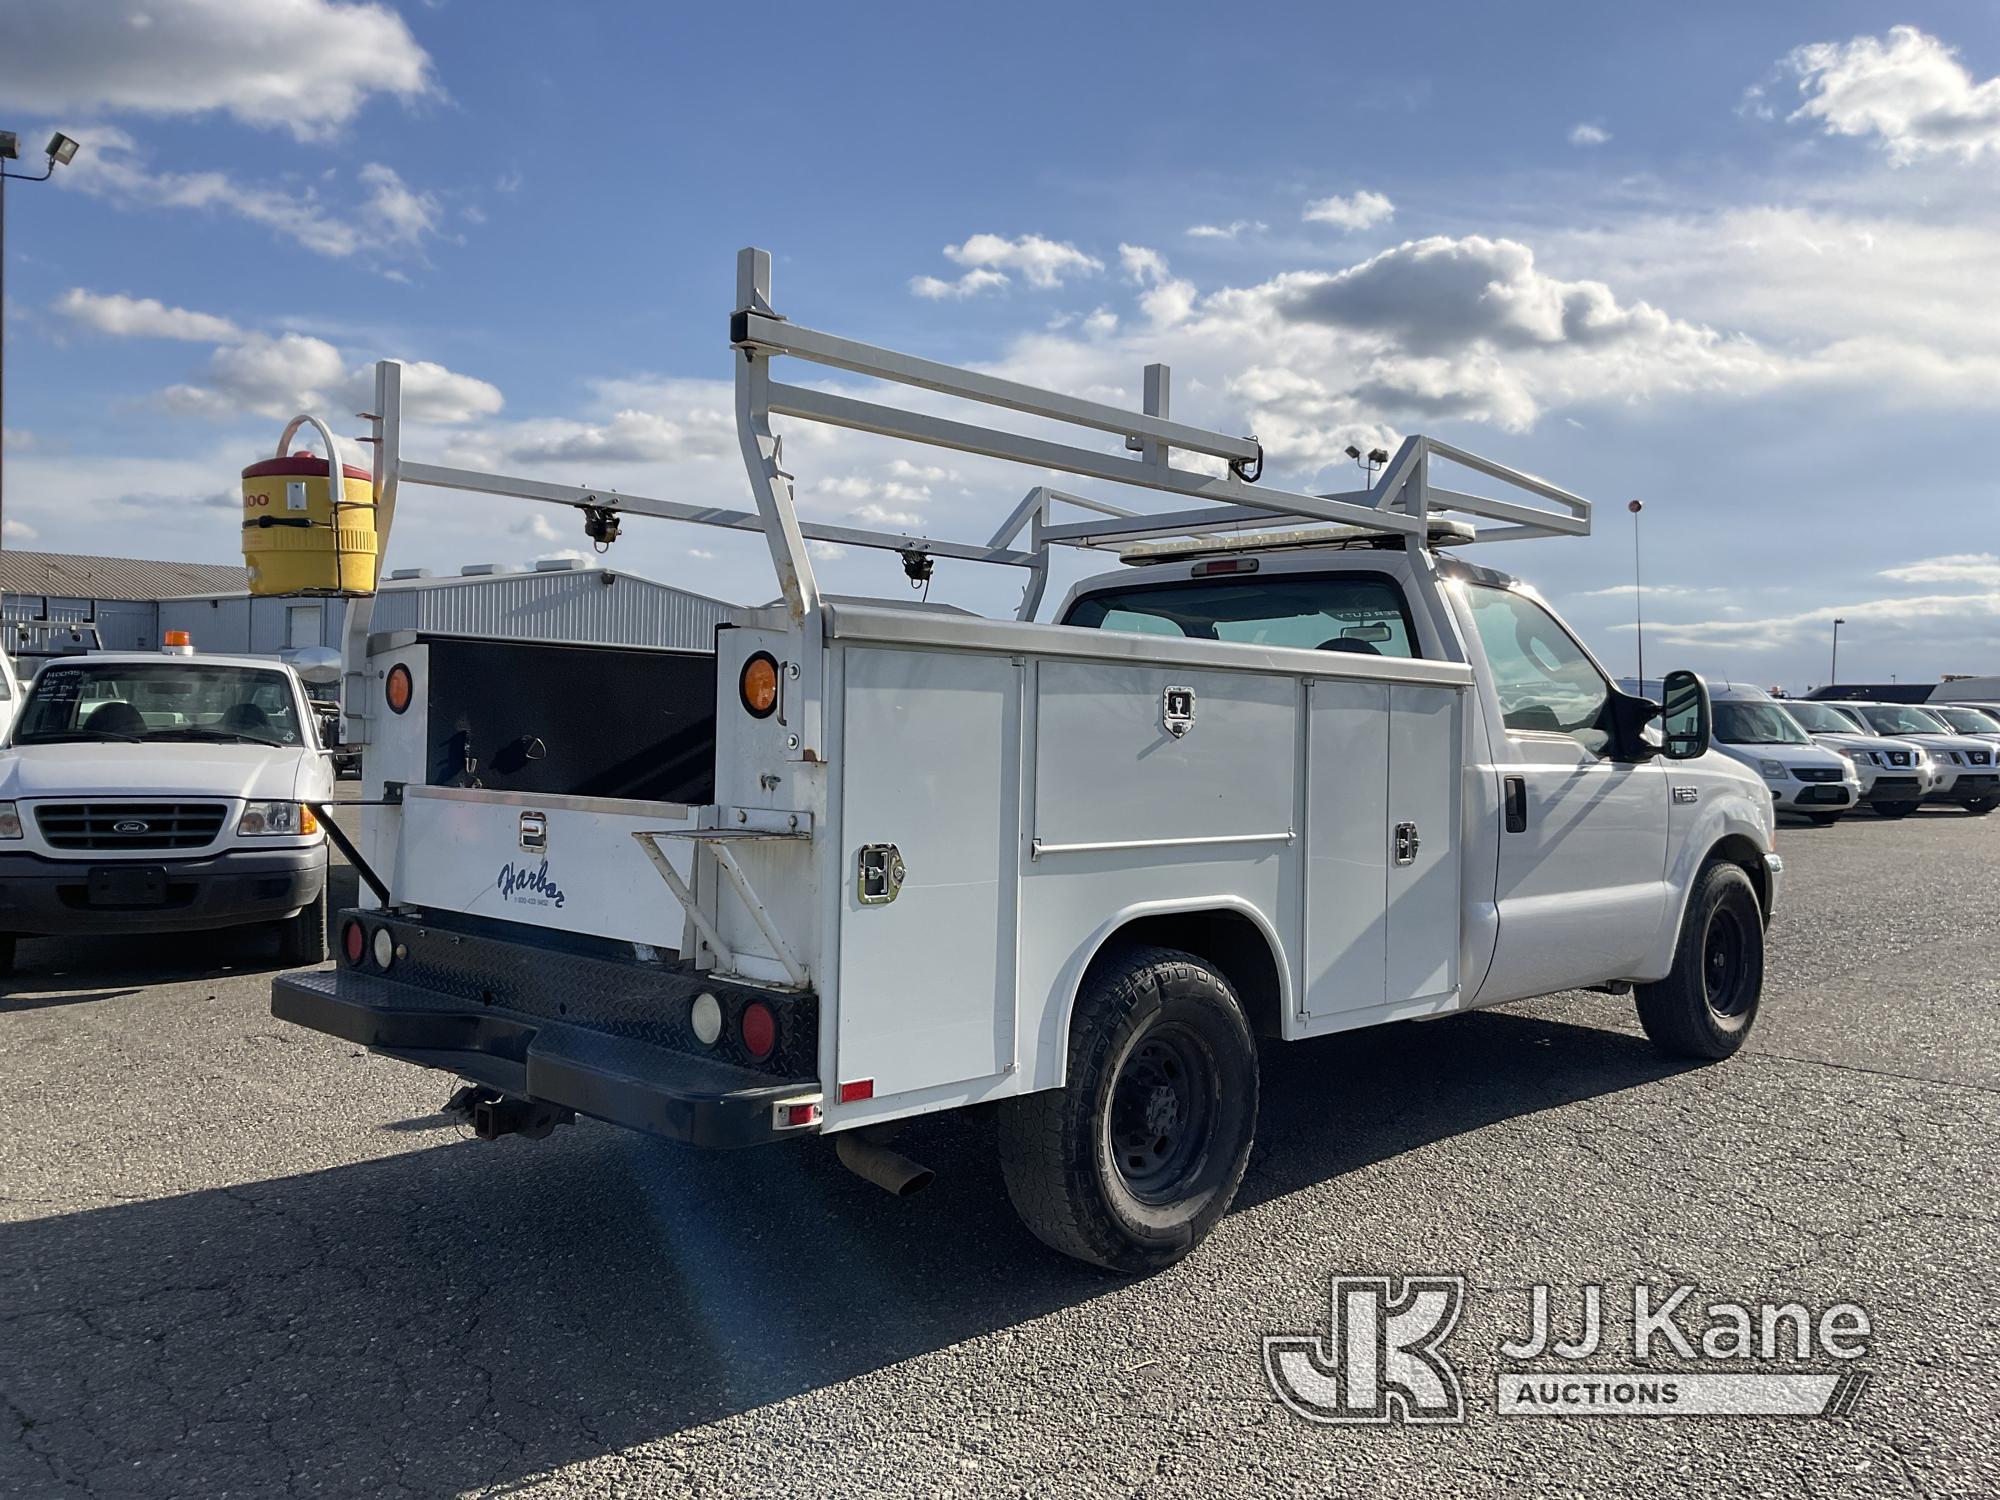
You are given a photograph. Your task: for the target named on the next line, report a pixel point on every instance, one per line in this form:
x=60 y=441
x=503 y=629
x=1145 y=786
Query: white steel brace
x=1401 y=503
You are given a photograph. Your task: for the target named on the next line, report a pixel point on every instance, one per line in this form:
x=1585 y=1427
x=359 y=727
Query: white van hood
x=82 y=769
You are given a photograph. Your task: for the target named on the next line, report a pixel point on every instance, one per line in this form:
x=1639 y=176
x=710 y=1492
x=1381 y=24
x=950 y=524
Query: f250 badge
x=1177 y=710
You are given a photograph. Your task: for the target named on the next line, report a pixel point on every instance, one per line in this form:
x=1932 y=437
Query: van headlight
x=293 y=818
x=10 y=821
x=1771 y=769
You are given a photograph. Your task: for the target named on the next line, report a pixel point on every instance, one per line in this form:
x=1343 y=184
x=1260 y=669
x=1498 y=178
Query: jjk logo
x=1381 y=1361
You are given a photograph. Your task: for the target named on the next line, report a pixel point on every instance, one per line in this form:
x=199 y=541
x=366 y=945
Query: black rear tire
x=1979 y=807
x=302 y=939
x=6 y=954
x=1707 y=1004
x=1134 y=1161
x=1894 y=809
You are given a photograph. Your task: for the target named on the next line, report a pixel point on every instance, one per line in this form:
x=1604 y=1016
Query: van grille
x=1818 y=773
x=129 y=825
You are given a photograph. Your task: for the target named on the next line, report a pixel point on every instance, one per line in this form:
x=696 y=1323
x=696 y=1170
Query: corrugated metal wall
x=124 y=624
x=580 y=606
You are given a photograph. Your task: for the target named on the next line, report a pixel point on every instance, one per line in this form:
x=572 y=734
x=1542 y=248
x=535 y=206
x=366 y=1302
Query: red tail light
x=760 y=1029
x=355 y=942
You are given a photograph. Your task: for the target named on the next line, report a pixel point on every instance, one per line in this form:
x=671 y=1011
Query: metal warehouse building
x=133 y=603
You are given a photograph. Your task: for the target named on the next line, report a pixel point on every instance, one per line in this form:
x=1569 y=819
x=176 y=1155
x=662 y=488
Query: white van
x=1808 y=779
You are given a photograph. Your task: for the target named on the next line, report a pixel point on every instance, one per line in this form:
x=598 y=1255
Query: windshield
x=1354 y=612
x=1818 y=718
x=1741 y=722
x=157 y=702
x=1900 y=718
x=1969 y=720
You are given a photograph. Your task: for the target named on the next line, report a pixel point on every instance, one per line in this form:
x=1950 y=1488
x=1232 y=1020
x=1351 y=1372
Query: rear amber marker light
x=758 y=686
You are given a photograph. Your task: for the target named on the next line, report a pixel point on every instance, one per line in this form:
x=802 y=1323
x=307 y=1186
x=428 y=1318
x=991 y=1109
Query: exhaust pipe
x=890 y=1171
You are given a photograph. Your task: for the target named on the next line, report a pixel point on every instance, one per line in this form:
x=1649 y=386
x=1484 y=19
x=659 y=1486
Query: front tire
x=1979 y=807
x=1708 y=1002
x=1824 y=819
x=1894 y=809
x=302 y=939
x=1139 y=1155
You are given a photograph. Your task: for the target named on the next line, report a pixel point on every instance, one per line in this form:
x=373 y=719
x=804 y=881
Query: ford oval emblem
x=131 y=825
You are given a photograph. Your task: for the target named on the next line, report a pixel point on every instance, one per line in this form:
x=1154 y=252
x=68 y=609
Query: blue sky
x=1735 y=260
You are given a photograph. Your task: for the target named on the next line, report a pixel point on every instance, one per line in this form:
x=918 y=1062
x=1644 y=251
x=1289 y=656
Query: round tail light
x=354 y=942
x=399 y=689
x=705 y=1018
x=760 y=1029
x=385 y=947
x=758 y=685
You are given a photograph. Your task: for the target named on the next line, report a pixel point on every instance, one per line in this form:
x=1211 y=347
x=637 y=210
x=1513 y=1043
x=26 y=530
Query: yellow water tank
x=297 y=539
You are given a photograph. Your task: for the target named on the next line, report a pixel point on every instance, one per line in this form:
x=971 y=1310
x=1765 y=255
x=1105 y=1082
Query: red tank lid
x=302 y=464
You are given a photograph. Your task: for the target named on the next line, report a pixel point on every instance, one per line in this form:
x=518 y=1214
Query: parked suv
x=1970 y=763
x=1969 y=718
x=1896 y=775
x=1803 y=777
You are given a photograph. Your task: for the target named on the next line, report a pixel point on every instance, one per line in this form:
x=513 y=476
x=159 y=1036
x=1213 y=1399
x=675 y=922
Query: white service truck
x=163 y=792
x=1293 y=767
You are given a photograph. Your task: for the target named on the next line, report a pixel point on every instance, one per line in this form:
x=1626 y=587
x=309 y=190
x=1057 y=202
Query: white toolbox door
x=1424 y=746
x=1347 y=817
x=930 y=764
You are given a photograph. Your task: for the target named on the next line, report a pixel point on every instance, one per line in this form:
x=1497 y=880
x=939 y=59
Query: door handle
x=1517 y=804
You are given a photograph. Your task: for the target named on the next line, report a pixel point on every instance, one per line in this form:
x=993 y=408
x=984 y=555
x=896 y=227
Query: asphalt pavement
x=240 y=1259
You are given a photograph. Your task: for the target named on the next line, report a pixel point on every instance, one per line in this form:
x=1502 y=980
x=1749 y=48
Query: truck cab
x=163 y=792
x=1295 y=767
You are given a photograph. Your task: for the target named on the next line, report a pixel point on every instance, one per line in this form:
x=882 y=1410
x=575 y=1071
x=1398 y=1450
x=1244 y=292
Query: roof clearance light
x=758 y=685
x=398 y=689
x=177 y=643
x=1223 y=565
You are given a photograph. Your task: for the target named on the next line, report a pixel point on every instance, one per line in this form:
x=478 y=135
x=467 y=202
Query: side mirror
x=1688 y=717
x=1627 y=717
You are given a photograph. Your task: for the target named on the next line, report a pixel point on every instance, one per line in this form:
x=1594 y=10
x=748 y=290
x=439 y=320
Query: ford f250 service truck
x=1289 y=768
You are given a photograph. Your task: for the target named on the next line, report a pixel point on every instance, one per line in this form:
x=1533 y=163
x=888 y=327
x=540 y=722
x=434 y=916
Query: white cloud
x=1041 y=262
x=537 y=525
x=1588 y=134
x=304 y=66
x=1979 y=568
x=1913 y=616
x=143 y=317
x=1652 y=590
x=390 y=218
x=971 y=284
x=1143 y=267
x=826 y=551
x=1100 y=324
x=630 y=436
x=281 y=375
x=404 y=217
x=1909 y=90
x=1361 y=210
x=19 y=531
x=1234 y=229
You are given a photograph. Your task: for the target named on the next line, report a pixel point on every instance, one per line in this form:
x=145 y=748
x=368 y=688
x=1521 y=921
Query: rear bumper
x=586 y=1029
x=42 y=897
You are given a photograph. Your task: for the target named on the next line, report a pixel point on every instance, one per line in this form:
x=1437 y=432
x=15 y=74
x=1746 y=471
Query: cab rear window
x=1361 y=613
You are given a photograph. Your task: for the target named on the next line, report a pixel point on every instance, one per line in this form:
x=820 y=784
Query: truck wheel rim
x=1724 y=967
x=1162 y=1114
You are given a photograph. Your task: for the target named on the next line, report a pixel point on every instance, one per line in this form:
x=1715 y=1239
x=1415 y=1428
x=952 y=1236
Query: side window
x=1543 y=679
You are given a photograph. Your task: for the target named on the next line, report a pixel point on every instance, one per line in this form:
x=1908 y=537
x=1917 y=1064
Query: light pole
x=1833 y=671
x=61 y=149
x=1638 y=594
